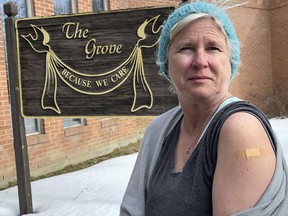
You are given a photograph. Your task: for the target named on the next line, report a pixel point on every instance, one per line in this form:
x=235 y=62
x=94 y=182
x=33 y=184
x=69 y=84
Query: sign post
x=19 y=136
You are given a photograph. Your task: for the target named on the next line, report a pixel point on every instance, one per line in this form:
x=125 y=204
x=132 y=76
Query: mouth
x=199 y=78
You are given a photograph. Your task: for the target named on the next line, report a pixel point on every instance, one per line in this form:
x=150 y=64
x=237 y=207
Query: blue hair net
x=184 y=11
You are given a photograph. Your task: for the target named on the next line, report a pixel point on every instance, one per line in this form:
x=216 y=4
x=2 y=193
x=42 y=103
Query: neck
x=197 y=114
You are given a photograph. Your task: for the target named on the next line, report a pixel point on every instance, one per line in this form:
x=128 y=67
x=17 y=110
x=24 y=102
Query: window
x=98 y=5
x=33 y=126
x=62 y=7
x=70 y=122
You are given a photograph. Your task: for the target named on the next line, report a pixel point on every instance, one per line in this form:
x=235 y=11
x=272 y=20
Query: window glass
x=70 y=122
x=32 y=126
x=62 y=7
x=98 y=5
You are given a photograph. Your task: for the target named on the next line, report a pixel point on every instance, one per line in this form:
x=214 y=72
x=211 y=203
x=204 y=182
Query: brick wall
x=254 y=82
x=43 y=7
x=114 y=4
x=279 y=35
x=60 y=147
x=84 y=6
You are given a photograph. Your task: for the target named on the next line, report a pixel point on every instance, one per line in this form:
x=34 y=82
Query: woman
x=214 y=154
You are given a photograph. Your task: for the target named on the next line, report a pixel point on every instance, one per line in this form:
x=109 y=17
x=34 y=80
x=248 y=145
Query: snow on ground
x=97 y=190
x=94 y=191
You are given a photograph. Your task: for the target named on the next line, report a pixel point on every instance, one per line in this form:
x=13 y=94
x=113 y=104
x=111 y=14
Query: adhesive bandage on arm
x=250 y=153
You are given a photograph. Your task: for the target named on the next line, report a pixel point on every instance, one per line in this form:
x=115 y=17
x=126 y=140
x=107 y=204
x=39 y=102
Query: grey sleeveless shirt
x=190 y=192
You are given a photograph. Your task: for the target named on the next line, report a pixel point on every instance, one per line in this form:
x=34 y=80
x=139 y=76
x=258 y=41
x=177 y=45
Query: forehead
x=204 y=27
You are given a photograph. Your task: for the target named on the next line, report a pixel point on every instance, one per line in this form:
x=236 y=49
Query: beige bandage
x=250 y=153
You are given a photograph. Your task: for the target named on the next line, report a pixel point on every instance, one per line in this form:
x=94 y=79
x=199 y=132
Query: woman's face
x=198 y=61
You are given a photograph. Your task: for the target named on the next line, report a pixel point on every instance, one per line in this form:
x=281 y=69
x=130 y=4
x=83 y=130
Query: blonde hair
x=192 y=17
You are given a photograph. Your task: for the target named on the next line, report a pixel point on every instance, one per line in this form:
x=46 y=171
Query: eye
x=186 y=49
x=213 y=48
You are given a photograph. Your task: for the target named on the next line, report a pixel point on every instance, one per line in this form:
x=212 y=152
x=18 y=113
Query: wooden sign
x=92 y=64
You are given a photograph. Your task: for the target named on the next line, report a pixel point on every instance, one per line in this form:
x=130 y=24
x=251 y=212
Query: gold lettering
x=72 y=78
x=67 y=75
x=125 y=70
x=101 y=83
x=104 y=49
x=105 y=82
x=72 y=30
x=118 y=48
x=67 y=29
x=98 y=49
x=91 y=49
x=121 y=73
x=64 y=72
x=85 y=33
x=78 y=81
x=89 y=83
x=112 y=49
x=86 y=83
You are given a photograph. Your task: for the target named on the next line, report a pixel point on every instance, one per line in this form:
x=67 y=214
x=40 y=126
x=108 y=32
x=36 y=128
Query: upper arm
x=245 y=165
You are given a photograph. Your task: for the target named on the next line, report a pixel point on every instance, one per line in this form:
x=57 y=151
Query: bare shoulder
x=245 y=164
x=242 y=124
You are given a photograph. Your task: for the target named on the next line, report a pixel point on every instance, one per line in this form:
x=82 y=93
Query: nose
x=200 y=59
